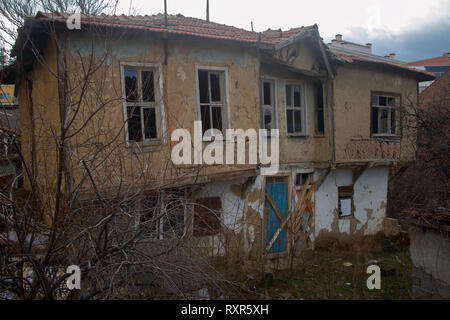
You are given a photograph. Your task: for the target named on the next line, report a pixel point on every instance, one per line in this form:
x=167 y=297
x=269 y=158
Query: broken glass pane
x=391 y=102
x=374 y=120
x=298 y=121
x=384 y=121
x=134 y=124
x=267 y=94
x=150 y=123
x=203 y=86
x=217 y=118
x=288 y=96
x=173 y=225
x=297 y=101
x=131 y=85
x=206 y=120
x=148 y=87
x=215 y=87
x=320 y=121
x=393 y=124
x=290 y=120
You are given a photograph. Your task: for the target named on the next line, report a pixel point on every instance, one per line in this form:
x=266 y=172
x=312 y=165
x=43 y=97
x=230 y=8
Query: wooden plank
x=306 y=205
x=285 y=221
x=302 y=211
x=277 y=233
x=302 y=195
x=266 y=220
x=322 y=178
x=274 y=207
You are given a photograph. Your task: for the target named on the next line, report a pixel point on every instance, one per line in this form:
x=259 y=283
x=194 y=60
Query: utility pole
x=165 y=13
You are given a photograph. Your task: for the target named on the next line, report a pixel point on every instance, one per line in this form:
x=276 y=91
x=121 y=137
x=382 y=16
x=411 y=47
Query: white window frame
x=396 y=106
x=158 y=104
x=274 y=106
x=303 y=109
x=226 y=115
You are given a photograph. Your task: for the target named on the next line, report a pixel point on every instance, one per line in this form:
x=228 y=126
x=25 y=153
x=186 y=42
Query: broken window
x=295 y=111
x=207 y=216
x=142 y=108
x=268 y=105
x=384 y=110
x=301 y=179
x=211 y=98
x=320 y=117
x=163 y=215
x=345 y=195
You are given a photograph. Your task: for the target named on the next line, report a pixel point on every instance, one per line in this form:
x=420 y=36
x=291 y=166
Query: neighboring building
x=9 y=136
x=9 y=113
x=437 y=65
x=337 y=114
x=339 y=45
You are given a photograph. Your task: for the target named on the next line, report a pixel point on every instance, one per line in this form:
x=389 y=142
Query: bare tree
x=425 y=184
x=121 y=228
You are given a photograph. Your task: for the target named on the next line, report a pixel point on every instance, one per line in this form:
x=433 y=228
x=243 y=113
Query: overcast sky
x=413 y=29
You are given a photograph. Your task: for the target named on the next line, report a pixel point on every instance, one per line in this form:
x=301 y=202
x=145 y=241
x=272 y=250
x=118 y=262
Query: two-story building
x=122 y=86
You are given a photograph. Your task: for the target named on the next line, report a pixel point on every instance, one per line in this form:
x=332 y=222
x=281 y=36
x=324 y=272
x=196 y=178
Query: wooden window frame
x=301 y=108
x=395 y=108
x=273 y=107
x=157 y=105
x=224 y=104
x=346 y=192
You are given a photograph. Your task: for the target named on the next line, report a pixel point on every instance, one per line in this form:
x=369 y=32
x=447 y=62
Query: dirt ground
x=339 y=272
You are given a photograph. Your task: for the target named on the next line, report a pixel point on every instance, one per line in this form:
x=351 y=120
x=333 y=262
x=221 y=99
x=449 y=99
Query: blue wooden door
x=277 y=190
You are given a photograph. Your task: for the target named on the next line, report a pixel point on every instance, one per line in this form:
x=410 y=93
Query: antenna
x=129 y=10
x=207 y=10
x=165 y=13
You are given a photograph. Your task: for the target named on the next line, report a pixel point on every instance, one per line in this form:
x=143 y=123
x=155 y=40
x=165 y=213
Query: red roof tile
x=178 y=24
x=437 y=61
x=348 y=58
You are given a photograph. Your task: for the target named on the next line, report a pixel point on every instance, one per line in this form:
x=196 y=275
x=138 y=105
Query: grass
x=341 y=274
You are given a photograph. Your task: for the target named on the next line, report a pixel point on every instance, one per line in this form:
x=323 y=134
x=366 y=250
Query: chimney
x=207 y=10
x=369 y=46
x=392 y=56
x=339 y=37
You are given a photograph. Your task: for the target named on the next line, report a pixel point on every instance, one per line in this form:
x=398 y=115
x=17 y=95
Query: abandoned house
x=339 y=114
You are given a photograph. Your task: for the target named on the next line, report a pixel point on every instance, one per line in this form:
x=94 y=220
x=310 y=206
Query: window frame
x=226 y=116
x=274 y=106
x=158 y=104
x=346 y=193
x=396 y=107
x=303 y=106
x=159 y=234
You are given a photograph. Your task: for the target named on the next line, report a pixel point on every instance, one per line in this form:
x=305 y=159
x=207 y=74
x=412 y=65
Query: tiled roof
x=348 y=58
x=437 y=61
x=178 y=24
x=277 y=36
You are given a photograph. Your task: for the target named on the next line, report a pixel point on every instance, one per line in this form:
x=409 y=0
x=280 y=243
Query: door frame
x=288 y=176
